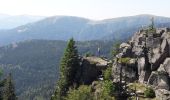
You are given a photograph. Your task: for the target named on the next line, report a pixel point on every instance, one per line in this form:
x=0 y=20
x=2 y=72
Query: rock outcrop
x=150 y=51
x=162 y=94
x=91 y=68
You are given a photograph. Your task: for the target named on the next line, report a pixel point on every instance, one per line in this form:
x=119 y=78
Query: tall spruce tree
x=68 y=69
x=1 y=85
x=9 y=92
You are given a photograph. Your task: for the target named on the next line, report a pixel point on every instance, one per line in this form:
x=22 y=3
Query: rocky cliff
x=146 y=59
x=92 y=68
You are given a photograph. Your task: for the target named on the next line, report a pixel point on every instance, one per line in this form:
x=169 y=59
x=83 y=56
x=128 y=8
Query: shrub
x=115 y=49
x=82 y=93
x=109 y=88
x=125 y=60
x=88 y=54
x=108 y=74
x=149 y=93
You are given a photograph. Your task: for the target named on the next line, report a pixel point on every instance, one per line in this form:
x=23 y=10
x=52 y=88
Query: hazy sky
x=94 y=9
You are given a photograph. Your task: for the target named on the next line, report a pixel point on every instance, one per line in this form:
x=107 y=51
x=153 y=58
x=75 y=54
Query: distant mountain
x=9 y=22
x=65 y=27
x=2 y=16
x=34 y=64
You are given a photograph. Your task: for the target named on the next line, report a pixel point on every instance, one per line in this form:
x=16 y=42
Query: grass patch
x=125 y=60
x=139 y=86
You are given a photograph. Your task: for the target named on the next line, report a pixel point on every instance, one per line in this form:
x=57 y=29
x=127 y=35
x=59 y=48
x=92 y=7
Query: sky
x=93 y=9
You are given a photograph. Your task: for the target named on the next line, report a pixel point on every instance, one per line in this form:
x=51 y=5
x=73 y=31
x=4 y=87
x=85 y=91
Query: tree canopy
x=68 y=69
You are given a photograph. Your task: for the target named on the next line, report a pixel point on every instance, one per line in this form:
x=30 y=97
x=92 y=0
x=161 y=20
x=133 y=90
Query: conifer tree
x=1 y=85
x=68 y=69
x=9 y=92
x=152 y=26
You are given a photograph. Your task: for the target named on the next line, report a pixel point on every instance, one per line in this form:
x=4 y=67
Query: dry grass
x=139 y=86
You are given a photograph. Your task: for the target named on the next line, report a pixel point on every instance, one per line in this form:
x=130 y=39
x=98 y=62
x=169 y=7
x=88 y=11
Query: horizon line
x=48 y=16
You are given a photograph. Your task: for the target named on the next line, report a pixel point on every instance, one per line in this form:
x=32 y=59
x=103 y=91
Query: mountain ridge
x=12 y=21
x=82 y=29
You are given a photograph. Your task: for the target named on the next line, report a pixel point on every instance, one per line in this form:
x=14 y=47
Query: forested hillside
x=34 y=64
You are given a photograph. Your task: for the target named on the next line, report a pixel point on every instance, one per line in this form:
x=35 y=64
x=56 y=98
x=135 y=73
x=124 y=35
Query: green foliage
x=114 y=52
x=109 y=88
x=34 y=64
x=152 y=28
x=149 y=93
x=9 y=92
x=124 y=60
x=92 y=46
x=105 y=90
x=82 y=93
x=88 y=54
x=2 y=82
x=137 y=86
x=1 y=72
x=68 y=69
x=115 y=49
x=117 y=44
x=108 y=74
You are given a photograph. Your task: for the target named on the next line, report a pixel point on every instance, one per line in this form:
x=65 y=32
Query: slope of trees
x=34 y=64
x=7 y=91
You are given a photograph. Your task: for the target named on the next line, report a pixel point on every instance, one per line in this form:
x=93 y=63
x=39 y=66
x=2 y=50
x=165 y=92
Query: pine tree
x=1 y=86
x=9 y=92
x=152 y=26
x=68 y=69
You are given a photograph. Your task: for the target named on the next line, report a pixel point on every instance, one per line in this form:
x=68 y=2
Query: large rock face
x=162 y=94
x=166 y=66
x=91 y=68
x=151 y=51
x=159 y=80
x=128 y=71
